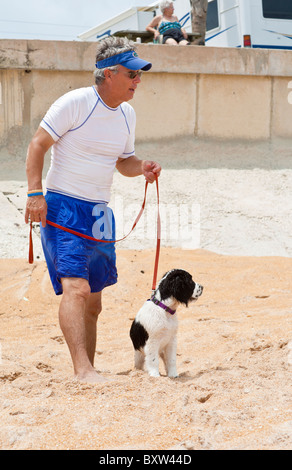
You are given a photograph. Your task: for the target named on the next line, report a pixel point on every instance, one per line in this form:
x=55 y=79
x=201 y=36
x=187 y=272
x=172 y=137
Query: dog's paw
x=153 y=373
x=172 y=374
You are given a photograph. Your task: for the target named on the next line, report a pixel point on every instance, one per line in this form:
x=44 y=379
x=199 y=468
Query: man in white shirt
x=91 y=131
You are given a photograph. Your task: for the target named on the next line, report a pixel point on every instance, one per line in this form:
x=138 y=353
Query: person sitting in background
x=168 y=26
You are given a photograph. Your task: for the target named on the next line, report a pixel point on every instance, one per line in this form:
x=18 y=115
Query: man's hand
x=133 y=166
x=36 y=210
x=150 y=170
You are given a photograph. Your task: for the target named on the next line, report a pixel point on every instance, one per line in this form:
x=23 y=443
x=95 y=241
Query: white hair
x=165 y=4
x=107 y=48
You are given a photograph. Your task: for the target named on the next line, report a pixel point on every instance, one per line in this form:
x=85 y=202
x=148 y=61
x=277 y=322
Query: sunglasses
x=133 y=74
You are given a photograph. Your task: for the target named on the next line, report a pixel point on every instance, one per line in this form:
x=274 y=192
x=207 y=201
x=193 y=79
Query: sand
x=234 y=345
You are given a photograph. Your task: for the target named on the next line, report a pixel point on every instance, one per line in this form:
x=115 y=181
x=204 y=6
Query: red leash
x=30 y=256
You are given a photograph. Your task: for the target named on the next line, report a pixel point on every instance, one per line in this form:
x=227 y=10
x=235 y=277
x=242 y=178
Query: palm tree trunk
x=199 y=16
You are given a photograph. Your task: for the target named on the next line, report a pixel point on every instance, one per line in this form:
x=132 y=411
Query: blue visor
x=128 y=59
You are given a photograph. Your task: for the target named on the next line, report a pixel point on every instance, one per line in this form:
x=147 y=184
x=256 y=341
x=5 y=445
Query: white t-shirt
x=89 y=138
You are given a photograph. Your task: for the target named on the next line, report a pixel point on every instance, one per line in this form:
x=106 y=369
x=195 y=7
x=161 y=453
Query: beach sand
x=234 y=344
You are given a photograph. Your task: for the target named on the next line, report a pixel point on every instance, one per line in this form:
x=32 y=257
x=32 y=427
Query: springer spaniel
x=154 y=330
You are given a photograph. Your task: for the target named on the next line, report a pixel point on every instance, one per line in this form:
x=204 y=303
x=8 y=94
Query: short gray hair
x=165 y=4
x=107 y=48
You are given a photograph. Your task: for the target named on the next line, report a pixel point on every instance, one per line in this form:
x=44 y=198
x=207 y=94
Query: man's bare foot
x=91 y=377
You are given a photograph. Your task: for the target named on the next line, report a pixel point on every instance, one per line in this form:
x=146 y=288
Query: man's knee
x=76 y=287
x=93 y=305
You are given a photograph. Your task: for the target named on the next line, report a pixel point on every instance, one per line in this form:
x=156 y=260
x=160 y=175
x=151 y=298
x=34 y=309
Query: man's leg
x=92 y=310
x=77 y=323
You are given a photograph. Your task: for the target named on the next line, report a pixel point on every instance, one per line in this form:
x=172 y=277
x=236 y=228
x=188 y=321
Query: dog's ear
x=183 y=290
x=177 y=284
x=179 y=288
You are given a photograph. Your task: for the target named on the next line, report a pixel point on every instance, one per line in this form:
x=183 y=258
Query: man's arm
x=133 y=166
x=36 y=206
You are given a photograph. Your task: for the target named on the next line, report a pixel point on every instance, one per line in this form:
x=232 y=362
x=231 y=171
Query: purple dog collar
x=160 y=304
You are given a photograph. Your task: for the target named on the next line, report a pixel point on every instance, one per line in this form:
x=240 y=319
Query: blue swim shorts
x=68 y=255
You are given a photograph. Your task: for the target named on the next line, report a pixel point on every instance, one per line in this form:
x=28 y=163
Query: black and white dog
x=154 y=330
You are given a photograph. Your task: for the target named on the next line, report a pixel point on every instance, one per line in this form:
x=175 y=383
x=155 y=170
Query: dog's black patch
x=178 y=284
x=138 y=335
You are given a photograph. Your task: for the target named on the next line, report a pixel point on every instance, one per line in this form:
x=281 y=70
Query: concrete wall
x=192 y=91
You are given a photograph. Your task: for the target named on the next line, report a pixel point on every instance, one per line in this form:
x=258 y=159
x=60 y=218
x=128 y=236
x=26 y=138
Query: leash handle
x=31 y=257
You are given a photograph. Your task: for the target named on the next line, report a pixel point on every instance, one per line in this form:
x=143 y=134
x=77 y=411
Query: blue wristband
x=40 y=193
